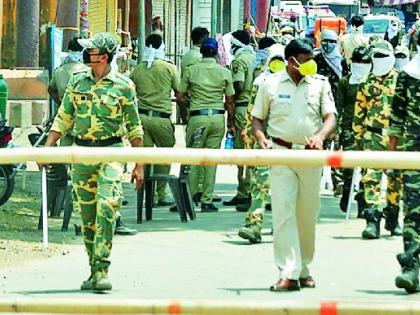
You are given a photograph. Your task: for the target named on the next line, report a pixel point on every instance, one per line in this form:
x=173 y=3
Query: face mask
x=276 y=65
x=307 y=68
x=328 y=47
x=359 y=71
x=400 y=63
x=87 y=57
x=382 y=66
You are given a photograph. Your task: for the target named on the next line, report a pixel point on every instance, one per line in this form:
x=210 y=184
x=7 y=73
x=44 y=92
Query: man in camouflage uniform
x=332 y=65
x=155 y=79
x=405 y=124
x=243 y=75
x=260 y=189
x=100 y=107
x=361 y=64
x=371 y=120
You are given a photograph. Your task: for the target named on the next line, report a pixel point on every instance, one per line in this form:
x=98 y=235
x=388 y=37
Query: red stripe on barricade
x=335 y=159
x=174 y=308
x=328 y=308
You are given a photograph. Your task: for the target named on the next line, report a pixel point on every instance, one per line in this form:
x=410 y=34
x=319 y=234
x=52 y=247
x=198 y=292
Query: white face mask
x=382 y=66
x=359 y=71
x=400 y=63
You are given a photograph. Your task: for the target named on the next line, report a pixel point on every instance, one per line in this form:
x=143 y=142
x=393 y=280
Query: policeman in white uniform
x=301 y=114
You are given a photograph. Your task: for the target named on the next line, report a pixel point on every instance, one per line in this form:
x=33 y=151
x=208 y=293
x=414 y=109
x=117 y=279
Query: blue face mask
x=328 y=47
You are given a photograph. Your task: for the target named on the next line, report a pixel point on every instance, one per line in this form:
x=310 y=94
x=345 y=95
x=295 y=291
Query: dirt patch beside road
x=20 y=239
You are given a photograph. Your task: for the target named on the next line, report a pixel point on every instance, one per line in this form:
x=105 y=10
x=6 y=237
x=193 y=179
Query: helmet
x=361 y=54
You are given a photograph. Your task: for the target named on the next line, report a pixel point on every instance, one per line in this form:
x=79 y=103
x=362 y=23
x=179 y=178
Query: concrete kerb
x=202 y=307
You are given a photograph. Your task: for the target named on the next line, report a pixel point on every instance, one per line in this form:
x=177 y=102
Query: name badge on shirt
x=284 y=97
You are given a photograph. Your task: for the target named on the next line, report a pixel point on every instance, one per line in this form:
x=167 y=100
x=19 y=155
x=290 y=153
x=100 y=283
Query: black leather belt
x=206 y=112
x=154 y=113
x=98 y=143
x=242 y=104
x=374 y=130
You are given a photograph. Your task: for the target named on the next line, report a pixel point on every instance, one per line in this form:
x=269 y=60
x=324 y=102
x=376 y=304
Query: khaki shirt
x=293 y=111
x=154 y=86
x=62 y=75
x=98 y=110
x=243 y=71
x=190 y=58
x=207 y=82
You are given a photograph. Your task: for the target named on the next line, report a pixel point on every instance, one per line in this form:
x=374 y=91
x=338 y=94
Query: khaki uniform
x=192 y=57
x=58 y=83
x=98 y=111
x=154 y=87
x=207 y=82
x=294 y=112
x=243 y=71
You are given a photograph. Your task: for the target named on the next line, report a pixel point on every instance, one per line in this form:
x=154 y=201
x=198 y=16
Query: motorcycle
x=7 y=172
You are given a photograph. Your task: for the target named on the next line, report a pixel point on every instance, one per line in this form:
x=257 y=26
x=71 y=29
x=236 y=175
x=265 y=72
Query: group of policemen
x=269 y=97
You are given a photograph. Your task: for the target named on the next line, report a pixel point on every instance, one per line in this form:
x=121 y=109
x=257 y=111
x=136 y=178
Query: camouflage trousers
x=411 y=201
x=372 y=180
x=372 y=190
x=97 y=192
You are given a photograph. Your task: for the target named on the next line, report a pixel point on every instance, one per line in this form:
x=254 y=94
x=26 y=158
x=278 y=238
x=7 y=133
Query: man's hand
x=243 y=134
x=263 y=142
x=138 y=176
x=315 y=142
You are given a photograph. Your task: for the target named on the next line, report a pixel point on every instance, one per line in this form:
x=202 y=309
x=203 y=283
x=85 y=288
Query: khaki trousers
x=295 y=209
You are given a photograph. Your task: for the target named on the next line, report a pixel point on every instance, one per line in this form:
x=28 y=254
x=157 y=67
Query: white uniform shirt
x=294 y=111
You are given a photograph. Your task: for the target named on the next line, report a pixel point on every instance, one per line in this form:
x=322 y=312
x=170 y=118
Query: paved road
x=205 y=259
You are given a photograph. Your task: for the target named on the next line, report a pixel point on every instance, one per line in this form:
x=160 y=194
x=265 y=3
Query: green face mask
x=307 y=68
x=276 y=65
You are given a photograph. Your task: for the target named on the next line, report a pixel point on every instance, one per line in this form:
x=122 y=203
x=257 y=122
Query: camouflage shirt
x=99 y=110
x=405 y=112
x=372 y=108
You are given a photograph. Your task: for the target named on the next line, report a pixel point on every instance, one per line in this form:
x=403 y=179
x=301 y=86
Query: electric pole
x=27 y=20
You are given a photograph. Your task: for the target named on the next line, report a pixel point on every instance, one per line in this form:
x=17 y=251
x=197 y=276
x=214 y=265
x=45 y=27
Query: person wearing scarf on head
x=402 y=57
x=262 y=54
x=394 y=34
x=371 y=120
x=360 y=67
x=405 y=125
x=331 y=64
x=354 y=38
x=242 y=67
x=260 y=190
x=156 y=79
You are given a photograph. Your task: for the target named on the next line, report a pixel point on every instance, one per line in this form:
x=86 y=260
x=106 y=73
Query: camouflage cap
x=402 y=50
x=382 y=46
x=106 y=42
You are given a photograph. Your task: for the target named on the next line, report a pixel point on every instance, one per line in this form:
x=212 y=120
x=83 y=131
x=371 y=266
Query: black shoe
x=268 y=206
x=408 y=280
x=243 y=207
x=391 y=220
x=208 y=207
x=373 y=220
x=173 y=209
x=235 y=201
x=121 y=229
x=217 y=198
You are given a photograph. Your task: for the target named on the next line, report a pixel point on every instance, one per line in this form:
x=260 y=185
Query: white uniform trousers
x=295 y=209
